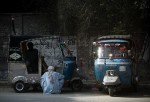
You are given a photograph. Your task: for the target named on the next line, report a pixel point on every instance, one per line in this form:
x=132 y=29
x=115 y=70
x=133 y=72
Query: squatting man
x=51 y=81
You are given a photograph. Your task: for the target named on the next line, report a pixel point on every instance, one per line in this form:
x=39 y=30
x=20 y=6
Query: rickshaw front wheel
x=19 y=86
x=111 y=91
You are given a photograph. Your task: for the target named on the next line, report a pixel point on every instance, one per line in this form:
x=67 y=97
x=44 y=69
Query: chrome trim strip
x=108 y=63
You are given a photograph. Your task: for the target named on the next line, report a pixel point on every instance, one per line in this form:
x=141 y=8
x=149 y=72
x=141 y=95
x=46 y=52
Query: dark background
x=85 y=19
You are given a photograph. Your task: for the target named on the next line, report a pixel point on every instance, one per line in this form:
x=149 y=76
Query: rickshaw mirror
x=94 y=43
x=94 y=55
x=129 y=53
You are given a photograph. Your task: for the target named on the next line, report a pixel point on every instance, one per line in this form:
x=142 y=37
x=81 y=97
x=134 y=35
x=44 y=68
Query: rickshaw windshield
x=115 y=50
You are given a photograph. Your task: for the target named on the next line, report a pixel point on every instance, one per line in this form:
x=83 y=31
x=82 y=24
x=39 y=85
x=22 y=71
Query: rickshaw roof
x=16 y=40
x=115 y=37
x=113 y=40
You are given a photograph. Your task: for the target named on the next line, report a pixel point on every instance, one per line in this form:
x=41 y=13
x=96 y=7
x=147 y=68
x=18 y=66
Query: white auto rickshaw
x=22 y=78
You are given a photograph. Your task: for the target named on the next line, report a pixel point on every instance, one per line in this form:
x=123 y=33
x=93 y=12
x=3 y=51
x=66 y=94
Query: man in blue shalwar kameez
x=51 y=81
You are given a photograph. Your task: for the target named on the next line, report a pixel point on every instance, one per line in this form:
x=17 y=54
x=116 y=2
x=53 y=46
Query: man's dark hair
x=31 y=58
x=30 y=45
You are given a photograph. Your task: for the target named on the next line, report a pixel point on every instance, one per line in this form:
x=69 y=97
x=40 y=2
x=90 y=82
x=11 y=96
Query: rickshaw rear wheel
x=76 y=85
x=111 y=91
x=19 y=87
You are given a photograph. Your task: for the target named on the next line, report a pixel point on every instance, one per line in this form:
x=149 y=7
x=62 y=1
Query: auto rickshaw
x=22 y=78
x=73 y=77
x=114 y=63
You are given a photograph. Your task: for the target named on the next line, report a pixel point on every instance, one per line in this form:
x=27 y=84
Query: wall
x=5 y=30
x=24 y=25
x=43 y=25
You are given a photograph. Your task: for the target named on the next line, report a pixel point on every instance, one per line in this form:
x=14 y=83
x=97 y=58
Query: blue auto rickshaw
x=72 y=76
x=113 y=63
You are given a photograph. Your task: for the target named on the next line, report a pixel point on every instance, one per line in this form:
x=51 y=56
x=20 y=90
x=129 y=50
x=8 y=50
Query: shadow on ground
x=142 y=91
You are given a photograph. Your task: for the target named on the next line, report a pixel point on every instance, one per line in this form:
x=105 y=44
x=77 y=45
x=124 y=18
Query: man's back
x=52 y=82
x=31 y=59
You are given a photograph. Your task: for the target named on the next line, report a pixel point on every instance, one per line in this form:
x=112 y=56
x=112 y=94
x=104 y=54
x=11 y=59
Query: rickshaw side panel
x=16 y=69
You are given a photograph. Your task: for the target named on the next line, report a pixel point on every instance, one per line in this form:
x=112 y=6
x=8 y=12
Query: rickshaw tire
x=19 y=87
x=111 y=91
x=79 y=87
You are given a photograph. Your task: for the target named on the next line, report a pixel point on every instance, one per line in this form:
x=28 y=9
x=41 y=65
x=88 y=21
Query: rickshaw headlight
x=122 y=68
x=77 y=69
x=110 y=55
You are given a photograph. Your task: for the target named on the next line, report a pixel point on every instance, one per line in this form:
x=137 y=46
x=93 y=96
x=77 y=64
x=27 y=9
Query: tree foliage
x=89 y=16
x=104 y=16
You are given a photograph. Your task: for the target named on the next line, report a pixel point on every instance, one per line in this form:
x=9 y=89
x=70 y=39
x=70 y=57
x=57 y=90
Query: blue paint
x=100 y=69
x=112 y=52
x=69 y=67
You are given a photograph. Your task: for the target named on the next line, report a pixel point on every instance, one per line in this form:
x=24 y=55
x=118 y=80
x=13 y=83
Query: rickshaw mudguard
x=75 y=78
x=19 y=78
